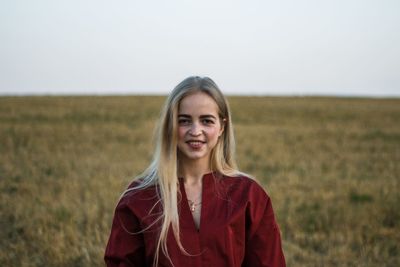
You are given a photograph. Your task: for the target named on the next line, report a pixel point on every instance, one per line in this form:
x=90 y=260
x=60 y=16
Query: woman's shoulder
x=138 y=193
x=245 y=184
x=241 y=179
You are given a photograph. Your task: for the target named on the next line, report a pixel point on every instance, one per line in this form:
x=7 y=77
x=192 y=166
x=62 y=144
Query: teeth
x=195 y=143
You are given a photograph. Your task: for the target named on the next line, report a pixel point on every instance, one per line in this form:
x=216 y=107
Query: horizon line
x=228 y=94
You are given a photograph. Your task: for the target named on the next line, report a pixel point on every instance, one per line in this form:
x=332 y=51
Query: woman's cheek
x=212 y=132
x=181 y=132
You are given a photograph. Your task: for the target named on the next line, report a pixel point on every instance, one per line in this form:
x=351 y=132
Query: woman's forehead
x=198 y=103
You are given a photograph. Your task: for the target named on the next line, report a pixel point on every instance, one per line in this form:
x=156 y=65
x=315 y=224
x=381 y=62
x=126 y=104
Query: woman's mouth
x=195 y=144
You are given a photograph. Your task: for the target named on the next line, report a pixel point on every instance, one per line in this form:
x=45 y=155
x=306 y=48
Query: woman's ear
x=223 y=122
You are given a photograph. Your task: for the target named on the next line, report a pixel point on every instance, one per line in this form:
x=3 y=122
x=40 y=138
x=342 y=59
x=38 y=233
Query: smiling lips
x=195 y=144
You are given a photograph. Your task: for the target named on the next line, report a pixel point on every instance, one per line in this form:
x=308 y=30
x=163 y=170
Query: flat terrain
x=330 y=165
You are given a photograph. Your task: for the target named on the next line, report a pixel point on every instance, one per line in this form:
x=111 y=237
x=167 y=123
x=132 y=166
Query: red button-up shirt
x=237 y=227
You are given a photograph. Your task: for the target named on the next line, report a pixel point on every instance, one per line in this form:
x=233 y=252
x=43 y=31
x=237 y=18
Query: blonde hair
x=163 y=170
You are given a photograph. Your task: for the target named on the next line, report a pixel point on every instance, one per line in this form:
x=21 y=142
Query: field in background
x=330 y=165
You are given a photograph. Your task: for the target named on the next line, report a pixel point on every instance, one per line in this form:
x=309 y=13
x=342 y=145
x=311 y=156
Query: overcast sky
x=341 y=47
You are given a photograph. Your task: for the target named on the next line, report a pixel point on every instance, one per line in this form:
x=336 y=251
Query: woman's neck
x=193 y=171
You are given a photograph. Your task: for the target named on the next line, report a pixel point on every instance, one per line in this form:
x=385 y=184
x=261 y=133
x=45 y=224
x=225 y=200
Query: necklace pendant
x=192 y=207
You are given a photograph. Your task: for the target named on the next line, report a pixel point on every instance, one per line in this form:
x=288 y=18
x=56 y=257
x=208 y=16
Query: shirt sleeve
x=125 y=246
x=263 y=241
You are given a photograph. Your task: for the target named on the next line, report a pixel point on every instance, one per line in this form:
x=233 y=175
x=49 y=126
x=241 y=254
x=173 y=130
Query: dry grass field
x=330 y=165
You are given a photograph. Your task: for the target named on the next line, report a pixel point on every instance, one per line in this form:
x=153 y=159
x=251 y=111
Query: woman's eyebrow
x=184 y=115
x=207 y=116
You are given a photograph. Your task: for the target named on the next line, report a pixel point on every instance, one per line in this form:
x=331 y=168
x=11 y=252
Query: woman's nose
x=195 y=129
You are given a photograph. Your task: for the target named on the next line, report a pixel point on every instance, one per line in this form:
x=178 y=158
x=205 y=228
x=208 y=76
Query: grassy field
x=330 y=165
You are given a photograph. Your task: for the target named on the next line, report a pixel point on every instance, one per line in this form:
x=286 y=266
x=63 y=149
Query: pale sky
x=297 y=47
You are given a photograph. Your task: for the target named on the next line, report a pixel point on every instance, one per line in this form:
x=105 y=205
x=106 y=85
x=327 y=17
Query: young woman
x=192 y=207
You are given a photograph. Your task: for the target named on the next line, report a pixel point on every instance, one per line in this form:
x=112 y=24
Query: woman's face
x=199 y=127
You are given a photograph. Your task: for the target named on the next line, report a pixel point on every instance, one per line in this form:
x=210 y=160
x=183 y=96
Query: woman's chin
x=194 y=156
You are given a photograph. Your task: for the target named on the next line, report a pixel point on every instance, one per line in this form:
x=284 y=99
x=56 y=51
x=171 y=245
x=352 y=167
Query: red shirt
x=237 y=228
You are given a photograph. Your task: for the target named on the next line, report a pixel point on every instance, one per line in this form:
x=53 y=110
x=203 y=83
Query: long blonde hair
x=163 y=170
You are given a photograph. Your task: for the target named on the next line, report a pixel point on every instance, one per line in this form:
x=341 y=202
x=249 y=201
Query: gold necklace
x=192 y=205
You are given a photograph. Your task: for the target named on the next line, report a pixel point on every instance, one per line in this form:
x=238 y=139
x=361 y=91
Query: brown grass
x=330 y=165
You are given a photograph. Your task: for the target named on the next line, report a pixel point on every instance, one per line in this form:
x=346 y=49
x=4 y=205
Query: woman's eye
x=207 y=121
x=183 y=121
